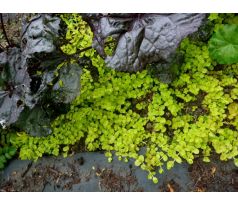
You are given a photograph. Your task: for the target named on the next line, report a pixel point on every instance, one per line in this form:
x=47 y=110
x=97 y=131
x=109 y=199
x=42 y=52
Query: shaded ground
x=214 y=176
x=92 y=172
x=82 y=172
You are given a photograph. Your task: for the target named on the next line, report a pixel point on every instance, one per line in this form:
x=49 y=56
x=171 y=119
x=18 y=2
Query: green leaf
x=61 y=84
x=150 y=176
x=178 y=159
x=170 y=164
x=1 y=165
x=206 y=159
x=155 y=180
x=3 y=159
x=143 y=167
x=161 y=171
x=223 y=46
x=8 y=156
x=233 y=110
x=236 y=162
x=65 y=149
x=12 y=151
x=55 y=152
x=213 y=16
x=139 y=160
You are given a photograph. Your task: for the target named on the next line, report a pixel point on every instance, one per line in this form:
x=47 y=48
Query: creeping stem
x=4 y=31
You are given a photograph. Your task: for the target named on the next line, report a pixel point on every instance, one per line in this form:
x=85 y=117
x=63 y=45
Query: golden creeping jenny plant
x=136 y=116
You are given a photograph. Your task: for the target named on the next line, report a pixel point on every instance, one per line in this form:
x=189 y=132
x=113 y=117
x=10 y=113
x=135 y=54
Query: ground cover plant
x=136 y=115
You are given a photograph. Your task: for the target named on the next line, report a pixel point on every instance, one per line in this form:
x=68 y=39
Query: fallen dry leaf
x=213 y=170
x=171 y=189
x=200 y=189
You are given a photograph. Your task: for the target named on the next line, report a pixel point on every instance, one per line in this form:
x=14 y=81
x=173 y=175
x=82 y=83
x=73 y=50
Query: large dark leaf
x=35 y=122
x=40 y=34
x=40 y=53
x=142 y=38
x=15 y=83
x=67 y=87
x=20 y=86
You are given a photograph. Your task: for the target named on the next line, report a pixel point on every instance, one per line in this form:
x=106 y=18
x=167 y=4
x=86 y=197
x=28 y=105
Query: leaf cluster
x=36 y=77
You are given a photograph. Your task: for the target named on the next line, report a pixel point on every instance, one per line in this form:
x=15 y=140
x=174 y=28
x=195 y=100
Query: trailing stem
x=4 y=31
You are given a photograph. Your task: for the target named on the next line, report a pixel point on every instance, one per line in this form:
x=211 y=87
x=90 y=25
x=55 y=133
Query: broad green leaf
x=223 y=46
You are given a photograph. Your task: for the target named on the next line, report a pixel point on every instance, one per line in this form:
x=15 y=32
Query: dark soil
x=41 y=175
x=67 y=174
x=92 y=172
x=200 y=110
x=213 y=176
x=112 y=182
x=170 y=186
x=146 y=99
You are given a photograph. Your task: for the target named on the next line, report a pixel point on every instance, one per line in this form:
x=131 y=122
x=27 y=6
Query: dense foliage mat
x=137 y=116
